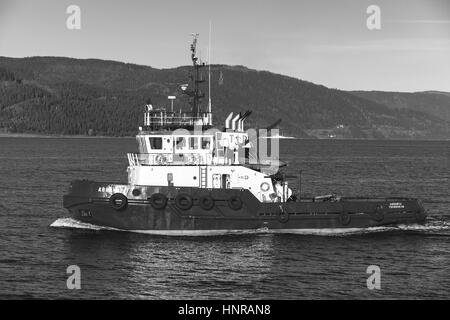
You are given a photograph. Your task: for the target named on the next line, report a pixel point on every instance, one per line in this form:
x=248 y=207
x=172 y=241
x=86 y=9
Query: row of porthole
x=183 y=201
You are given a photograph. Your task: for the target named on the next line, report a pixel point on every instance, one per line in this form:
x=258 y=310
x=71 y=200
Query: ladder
x=203 y=177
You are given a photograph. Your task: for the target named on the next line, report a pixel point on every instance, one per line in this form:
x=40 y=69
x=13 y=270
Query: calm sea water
x=414 y=260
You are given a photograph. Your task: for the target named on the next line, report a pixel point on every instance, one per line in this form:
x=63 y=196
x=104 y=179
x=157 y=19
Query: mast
x=196 y=95
x=209 y=70
x=158 y=119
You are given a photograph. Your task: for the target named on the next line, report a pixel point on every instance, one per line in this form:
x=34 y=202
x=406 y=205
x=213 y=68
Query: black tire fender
x=345 y=218
x=118 y=201
x=379 y=213
x=183 y=201
x=206 y=202
x=283 y=216
x=235 y=203
x=158 y=201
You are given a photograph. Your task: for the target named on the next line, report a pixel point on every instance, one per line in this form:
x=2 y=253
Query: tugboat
x=189 y=178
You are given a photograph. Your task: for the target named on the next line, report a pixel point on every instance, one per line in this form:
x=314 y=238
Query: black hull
x=89 y=202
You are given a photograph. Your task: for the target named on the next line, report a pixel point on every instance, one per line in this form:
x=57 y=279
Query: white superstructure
x=203 y=159
x=182 y=149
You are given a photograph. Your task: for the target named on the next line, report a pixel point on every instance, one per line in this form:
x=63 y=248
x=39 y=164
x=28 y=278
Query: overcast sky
x=323 y=41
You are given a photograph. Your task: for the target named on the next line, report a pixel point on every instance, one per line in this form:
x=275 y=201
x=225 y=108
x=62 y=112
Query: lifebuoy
x=265 y=186
x=235 y=203
x=378 y=215
x=345 y=218
x=206 y=202
x=118 y=201
x=183 y=201
x=158 y=201
x=160 y=159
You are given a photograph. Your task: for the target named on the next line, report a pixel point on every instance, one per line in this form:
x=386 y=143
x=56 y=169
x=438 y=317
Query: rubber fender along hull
x=90 y=202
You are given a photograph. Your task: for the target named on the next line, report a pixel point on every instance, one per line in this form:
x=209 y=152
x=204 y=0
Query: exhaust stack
x=242 y=119
x=227 y=121
x=234 y=121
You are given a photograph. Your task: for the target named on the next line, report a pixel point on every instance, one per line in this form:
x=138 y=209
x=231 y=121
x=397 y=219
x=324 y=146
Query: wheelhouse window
x=180 y=143
x=193 y=143
x=206 y=143
x=155 y=143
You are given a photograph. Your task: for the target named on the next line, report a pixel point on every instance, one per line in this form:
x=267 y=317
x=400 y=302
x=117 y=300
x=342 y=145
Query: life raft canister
x=235 y=203
x=345 y=218
x=118 y=201
x=183 y=201
x=158 y=201
x=206 y=202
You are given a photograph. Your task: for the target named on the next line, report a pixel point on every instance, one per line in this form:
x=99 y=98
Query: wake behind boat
x=191 y=178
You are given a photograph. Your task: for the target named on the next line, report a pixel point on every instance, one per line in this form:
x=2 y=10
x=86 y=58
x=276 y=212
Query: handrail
x=170 y=118
x=165 y=159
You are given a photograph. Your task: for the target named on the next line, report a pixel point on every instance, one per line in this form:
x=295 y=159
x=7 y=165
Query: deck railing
x=181 y=119
x=166 y=159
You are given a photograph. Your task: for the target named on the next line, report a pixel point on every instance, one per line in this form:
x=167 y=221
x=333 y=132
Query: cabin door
x=217 y=181
x=225 y=181
x=221 y=181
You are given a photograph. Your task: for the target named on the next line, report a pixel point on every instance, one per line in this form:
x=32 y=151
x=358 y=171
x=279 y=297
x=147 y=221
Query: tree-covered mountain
x=73 y=96
x=434 y=103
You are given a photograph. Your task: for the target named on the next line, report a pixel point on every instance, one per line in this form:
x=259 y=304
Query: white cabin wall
x=183 y=176
x=189 y=176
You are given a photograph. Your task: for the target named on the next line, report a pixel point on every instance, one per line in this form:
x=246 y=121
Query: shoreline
x=49 y=136
x=79 y=136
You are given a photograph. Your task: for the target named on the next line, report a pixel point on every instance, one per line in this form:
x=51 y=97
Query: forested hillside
x=70 y=96
x=434 y=103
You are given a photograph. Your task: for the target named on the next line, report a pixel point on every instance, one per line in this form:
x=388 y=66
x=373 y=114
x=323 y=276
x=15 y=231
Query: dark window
x=225 y=181
x=155 y=143
x=180 y=143
x=193 y=143
x=206 y=143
